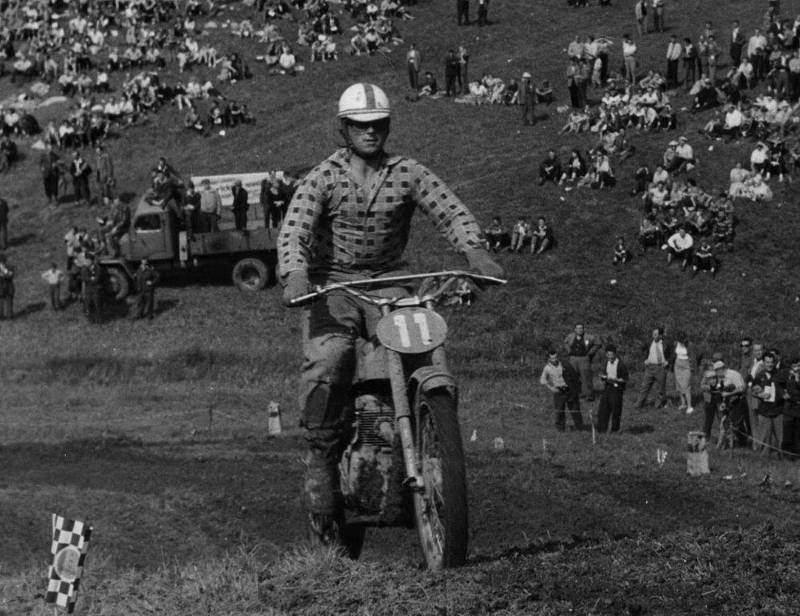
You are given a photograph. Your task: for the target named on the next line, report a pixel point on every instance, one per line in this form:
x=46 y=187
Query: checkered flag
x=70 y=544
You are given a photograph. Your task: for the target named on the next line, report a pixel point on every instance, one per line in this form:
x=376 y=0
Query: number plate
x=412 y=330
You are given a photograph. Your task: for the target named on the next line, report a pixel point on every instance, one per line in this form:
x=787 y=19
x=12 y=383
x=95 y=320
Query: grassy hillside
x=156 y=431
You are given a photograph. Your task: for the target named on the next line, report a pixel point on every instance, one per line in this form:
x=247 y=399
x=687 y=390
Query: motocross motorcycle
x=404 y=461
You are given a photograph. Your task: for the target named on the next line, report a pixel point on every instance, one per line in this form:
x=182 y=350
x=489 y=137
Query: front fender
x=430 y=378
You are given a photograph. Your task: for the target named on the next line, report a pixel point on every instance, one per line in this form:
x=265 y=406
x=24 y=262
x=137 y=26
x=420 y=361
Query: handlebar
x=351 y=288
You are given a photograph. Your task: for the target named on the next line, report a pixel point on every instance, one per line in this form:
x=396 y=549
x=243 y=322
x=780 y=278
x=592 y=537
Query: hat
x=673 y=142
x=526 y=75
x=206 y=182
x=682 y=138
x=718 y=364
x=611 y=347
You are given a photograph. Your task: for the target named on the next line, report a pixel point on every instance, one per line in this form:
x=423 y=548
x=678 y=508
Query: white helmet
x=364 y=102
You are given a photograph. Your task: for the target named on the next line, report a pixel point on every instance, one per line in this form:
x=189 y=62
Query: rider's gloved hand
x=295 y=285
x=480 y=260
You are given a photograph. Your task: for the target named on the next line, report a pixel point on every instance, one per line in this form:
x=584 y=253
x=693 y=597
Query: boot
x=322 y=498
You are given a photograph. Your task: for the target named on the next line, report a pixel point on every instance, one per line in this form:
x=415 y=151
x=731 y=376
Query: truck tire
x=250 y=274
x=118 y=283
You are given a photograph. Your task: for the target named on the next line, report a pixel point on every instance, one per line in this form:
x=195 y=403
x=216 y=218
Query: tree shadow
x=19 y=240
x=164 y=305
x=641 y=429
x=30 y=309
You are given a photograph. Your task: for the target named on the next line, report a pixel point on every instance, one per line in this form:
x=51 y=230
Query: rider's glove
x=480 y=261
x=295 y=285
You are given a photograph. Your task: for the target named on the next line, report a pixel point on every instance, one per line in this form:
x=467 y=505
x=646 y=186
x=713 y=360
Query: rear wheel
x=118 y=283
x=441 y=508
x=250 y=274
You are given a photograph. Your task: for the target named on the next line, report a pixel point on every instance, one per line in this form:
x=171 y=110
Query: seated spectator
x=775 y=164
x=650 y=235
x=684 y=154
x=722 y=231
x=621 y=253
x=704 y=259
x=642 y=178
x=287 y=61
x=756 y=189
x=550 y=169
x=738 y=177
x=679 y=247
x=734 y=121
x=575 y=168
x=520 y=235
x=8 y=152
x=496 y=236
x=544 y=93
x=601 y=173
x=511 y=93
x=759 y=157
x=541 y=237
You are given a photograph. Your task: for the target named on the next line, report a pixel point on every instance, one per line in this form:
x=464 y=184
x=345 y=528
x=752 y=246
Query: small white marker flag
x=70 y=544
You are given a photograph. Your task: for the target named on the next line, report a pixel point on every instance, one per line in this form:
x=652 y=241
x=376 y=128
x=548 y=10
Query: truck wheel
x=118 y=284
x=250 y=275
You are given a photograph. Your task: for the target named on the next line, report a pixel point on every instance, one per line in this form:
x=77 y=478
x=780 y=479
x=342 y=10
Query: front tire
x=441 y=508
x=118 y=284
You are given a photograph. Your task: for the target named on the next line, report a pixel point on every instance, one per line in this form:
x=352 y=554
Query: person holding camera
x=726 y=398
x=565 y=384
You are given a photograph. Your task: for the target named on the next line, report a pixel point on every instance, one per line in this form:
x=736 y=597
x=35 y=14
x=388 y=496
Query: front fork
x=402 y=409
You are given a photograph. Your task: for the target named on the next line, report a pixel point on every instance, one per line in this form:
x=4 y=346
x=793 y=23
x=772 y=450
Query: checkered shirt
x=67 y=533
x=333 y=224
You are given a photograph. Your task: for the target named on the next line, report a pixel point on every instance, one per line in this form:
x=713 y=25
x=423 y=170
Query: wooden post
x=697 y=454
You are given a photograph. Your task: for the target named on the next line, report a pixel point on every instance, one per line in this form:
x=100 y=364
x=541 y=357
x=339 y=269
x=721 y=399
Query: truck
x=155 y=234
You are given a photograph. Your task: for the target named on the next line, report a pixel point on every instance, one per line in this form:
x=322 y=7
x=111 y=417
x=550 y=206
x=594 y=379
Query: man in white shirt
x=756 y=51
x=564 y=383
x=685 y=155
x=614 y=377
x=674 y=53
x=733 y=122
x=759 y=157
x=629 y=58
x=659 y=356
x=726 y=389
x=679 y=246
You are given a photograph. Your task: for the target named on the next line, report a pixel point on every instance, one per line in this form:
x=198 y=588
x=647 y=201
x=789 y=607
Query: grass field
x=156 y=431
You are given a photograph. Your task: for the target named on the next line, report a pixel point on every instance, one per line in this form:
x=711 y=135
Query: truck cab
x=153 y=234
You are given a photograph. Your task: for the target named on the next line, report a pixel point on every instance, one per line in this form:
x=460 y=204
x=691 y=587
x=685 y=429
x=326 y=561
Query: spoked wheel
x=441 y=509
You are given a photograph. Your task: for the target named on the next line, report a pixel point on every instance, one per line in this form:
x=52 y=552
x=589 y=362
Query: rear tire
x=250 y=275
x=118 y=284
x=441 y=509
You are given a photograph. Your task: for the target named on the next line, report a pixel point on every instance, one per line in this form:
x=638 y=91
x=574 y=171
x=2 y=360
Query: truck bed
x=231 y=241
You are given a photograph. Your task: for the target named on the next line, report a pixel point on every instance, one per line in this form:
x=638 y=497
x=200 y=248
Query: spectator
x=704 y=259
x=683 y=372
x=496 y=236
x=621 y=253
x=3 y=224
x=564 y=383
x=146 y=278
x=679 y=246
x=674 y=54
x=483 y=12
x=413 y=60
x=80 y=171
x=580 y=347
x=6 y=288
x=640 y=12
x=550 y=169
x=462 y=12
x=92 y=278
x=629 y=58
x=614 y=376
x=240 y=206
x=520 y=234
x=210 y=208
x=541 y=237
x=463 y=69
x=104 y=167
x=54 y=277
x=790 y=441
x=527 y=100
x=659 y=355
x=451 y=73
x=726 y=391
x=51 y=168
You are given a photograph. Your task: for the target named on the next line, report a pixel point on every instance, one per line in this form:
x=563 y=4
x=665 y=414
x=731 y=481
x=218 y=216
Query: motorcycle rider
x=350 y=219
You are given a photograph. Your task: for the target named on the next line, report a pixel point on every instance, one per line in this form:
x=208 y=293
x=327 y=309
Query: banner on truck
x=251 y=182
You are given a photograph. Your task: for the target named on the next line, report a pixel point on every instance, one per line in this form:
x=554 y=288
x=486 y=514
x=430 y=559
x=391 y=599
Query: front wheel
x=441 y=508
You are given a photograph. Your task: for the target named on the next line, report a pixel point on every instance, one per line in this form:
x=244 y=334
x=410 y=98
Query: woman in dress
x=683 y=373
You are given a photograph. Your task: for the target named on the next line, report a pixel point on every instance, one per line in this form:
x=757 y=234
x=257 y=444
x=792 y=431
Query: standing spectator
x=674 y=53
x=614 y=377
x=658 y=15
x=683 y=373
x=565 y=384
x=483 y=12
x=462 y=11
x=712 y=52
x=463 y=65
x=240 y=205
x=660 y=355
x=737 y=44
x=146 y=278
x=527 y=100
x=790 y=442
x=3 y=224
x=690 y=60
x=273 y=202
x=80 y=171
x=191 y=209
x=765 y=388
x=451 y=73
x=574 y=84
x=210 y=208
x=92 y=278
x=413 y=60
x=629 y=58
x=6 y=289
x=580 y=347
x=751 y=364
x=50 y=167
x=757 y=52
x=640 y=11
x=54 y=277
x=104 y=168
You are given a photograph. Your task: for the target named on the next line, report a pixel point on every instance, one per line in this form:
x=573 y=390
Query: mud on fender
x=430 y=378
